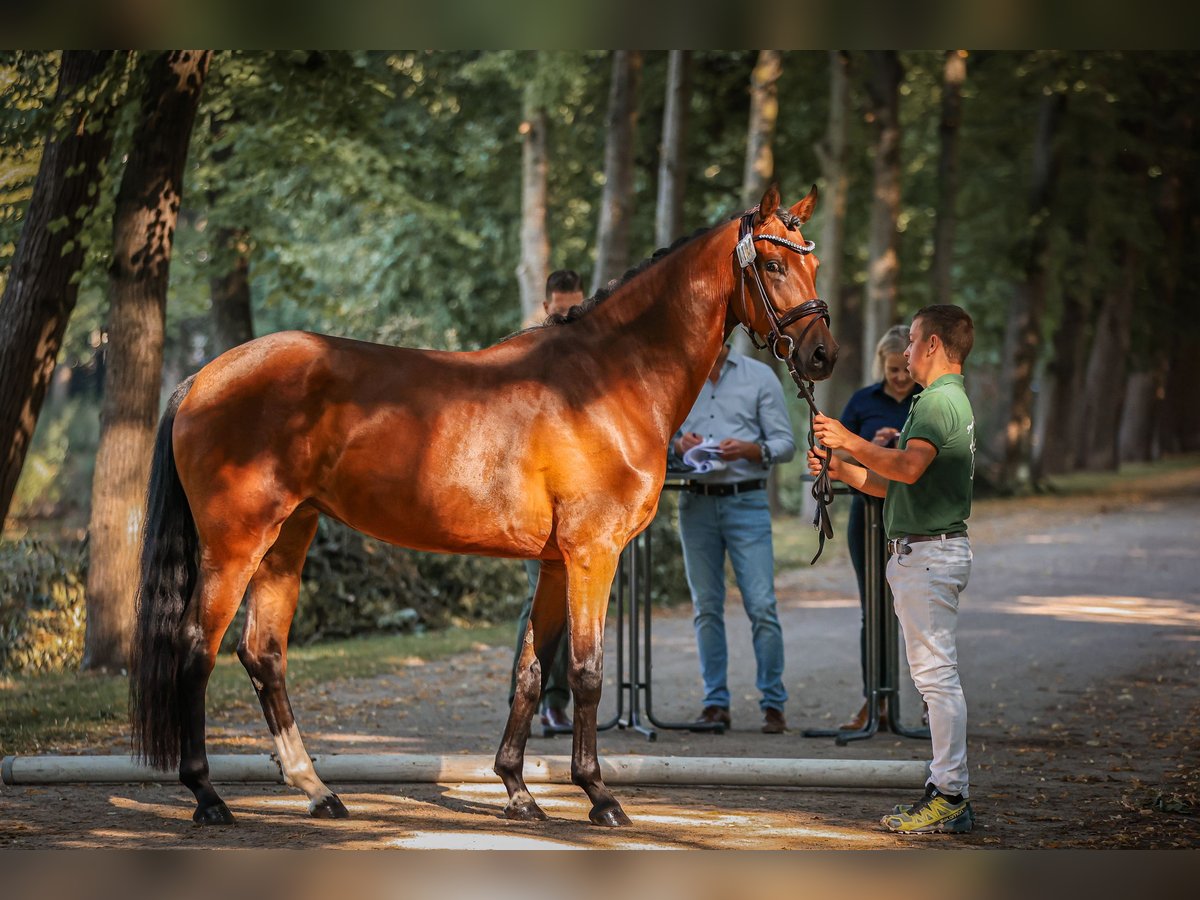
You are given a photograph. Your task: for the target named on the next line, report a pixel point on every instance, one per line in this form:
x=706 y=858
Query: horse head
x=776 y=294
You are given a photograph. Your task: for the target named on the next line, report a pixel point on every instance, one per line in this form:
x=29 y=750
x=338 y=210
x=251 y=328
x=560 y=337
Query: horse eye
x=773 y=266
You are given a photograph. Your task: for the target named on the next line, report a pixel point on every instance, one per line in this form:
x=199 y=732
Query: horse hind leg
x=274 y=591
x=217 y=595
x=547 y=621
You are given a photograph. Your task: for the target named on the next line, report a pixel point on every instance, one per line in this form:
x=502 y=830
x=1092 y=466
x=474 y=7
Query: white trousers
x=926 y=584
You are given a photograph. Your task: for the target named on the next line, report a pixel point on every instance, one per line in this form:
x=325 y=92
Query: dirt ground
x=1078 y=650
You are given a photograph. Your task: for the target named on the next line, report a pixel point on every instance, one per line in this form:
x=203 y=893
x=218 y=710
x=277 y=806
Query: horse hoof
x=524 y=812
x=609 y=816
x=330 y=807
x=217 y=814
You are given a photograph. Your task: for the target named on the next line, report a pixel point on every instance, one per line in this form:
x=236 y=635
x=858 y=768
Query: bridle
x=818 y=309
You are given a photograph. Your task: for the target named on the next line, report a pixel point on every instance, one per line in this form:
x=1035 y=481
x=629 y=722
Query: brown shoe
x=715 y=715
x=555 y=720
x=773 y=722
x=859 y=721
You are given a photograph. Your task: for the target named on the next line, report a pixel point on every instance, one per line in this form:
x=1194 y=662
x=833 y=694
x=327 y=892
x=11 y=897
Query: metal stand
x=882 y=640
x=634 y=656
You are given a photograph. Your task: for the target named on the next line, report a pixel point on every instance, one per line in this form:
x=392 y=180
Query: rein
x=822 y=489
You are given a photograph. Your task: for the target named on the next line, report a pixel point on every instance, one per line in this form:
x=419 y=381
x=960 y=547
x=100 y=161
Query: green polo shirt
x=940 y=500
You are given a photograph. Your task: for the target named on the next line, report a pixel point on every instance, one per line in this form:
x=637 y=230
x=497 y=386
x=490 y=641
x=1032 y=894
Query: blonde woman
x=876 y=413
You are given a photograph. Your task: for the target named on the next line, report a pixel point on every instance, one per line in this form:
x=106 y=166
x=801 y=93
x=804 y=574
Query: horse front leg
x=589 y=581
x=547 y=620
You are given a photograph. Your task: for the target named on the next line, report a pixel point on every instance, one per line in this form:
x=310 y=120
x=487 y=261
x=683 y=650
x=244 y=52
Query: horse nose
x=821 y=360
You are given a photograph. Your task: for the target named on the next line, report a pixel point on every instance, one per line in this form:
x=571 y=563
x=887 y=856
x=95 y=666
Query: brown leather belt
x=900 y=545
x=725 y=490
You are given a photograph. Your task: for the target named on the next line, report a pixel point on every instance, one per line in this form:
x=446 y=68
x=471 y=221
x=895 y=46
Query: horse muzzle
x=817 y=364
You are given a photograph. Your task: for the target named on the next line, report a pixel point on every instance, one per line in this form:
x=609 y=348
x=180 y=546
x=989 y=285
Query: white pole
x=462 y=769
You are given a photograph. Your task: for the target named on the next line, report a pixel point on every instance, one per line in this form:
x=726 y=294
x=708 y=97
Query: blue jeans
x=740 y=525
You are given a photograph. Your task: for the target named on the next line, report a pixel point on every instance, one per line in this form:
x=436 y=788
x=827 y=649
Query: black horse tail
x=170 y=562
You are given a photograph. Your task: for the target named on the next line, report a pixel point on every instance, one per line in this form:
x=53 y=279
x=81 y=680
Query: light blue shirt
x=746 y=403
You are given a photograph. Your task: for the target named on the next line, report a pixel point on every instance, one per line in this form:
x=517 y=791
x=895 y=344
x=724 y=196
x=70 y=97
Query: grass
x=1130 y=474
x=46 y=713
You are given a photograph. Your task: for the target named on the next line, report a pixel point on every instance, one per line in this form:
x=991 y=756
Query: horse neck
x=665 y=327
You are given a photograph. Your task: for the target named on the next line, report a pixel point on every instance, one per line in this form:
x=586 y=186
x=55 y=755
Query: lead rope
x=822 y=489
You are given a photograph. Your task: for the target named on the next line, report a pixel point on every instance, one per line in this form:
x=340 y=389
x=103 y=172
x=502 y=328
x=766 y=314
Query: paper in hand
x=705 y=457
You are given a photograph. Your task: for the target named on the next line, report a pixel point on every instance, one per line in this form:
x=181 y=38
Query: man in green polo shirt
x=926 y=482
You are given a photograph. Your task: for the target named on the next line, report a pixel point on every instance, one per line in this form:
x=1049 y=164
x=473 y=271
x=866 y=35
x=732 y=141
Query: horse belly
x=476 y=500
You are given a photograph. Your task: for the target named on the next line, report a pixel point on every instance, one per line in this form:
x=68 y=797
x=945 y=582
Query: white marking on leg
x=297 y=766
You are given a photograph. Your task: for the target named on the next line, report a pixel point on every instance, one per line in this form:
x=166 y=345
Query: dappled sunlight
x=477 y=840
x=1163 y=612
x=341 y=738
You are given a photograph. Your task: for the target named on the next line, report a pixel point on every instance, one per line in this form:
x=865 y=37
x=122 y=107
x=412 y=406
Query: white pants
x=926 y=584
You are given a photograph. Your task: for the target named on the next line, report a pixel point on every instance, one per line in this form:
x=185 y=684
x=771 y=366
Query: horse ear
x=768 y=204
x=803 y=210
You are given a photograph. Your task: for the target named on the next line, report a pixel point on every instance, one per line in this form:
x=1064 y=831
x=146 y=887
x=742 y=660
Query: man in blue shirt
x=741 y=409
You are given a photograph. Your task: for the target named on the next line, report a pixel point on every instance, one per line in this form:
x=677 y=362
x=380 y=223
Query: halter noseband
x=822 y=490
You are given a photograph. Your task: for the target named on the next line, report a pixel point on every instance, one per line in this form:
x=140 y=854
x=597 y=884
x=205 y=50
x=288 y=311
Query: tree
x=143 y=231
x=229 y=286
x=534 y=267
x=831 y=151
x=760 y=134
x=672 y=178
x=954 y=75
x=616 y=203
x=43 y=284
x=883 y=263
x=1103 y=397
x=1023 y=341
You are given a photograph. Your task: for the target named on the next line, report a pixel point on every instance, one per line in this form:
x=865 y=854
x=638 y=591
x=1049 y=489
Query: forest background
x=157 y=209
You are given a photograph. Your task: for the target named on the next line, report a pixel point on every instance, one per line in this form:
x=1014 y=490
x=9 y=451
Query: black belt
x=724 y=490
x=900 y=545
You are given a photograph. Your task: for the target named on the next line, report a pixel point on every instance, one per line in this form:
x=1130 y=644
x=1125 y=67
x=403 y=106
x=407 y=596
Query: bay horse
x=548 y=445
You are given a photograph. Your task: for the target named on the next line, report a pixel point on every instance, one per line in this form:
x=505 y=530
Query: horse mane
x=577 y=312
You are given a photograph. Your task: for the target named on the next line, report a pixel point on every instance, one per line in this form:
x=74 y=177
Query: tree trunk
x=672 y=173
x=1064 y=383
x=1023 y=340
x=232 y=316
x=143 y=230
x=1180 y=428
x=616 y=203
x=832 y=154
x=534 y=268
x=760 y=137
x=43 y=281
x=954 y=74
x=229 y=290
x=1143 y=406
x=1178 y=425
x=1104 y=386
x=883 y=261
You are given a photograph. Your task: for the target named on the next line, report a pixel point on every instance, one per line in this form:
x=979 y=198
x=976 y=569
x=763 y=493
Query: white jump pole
x=383 y=768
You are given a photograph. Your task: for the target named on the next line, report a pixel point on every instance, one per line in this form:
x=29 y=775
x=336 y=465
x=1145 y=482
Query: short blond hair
x=894 y=340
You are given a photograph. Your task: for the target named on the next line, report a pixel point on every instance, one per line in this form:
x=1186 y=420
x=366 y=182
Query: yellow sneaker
x=932 y=814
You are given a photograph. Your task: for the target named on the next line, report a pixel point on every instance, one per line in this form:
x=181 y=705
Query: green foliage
x=41 y=606
x=57 y=476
